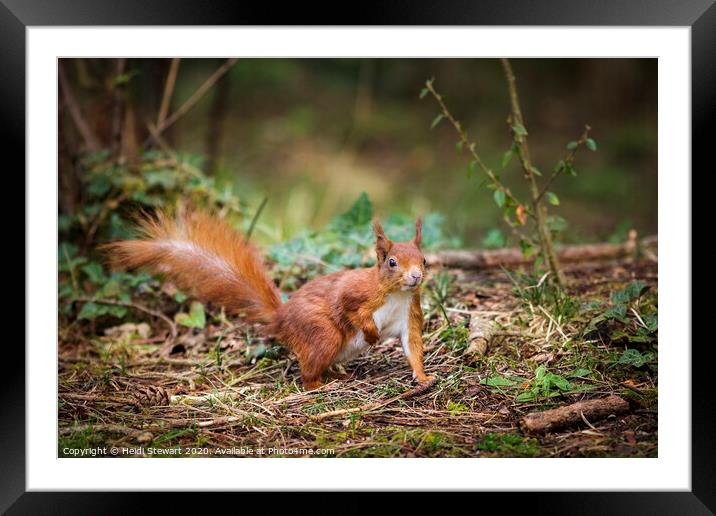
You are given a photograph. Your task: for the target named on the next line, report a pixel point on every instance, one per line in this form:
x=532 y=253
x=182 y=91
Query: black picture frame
x=17 y=15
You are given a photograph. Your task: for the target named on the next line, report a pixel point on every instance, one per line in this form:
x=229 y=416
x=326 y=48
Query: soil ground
x=223 y=390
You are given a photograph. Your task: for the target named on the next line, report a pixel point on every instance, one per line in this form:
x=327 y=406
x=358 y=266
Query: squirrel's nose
x=416 y=275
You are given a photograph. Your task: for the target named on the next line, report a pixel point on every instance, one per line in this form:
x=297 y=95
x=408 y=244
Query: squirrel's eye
x=425 y=262
x=392 y=262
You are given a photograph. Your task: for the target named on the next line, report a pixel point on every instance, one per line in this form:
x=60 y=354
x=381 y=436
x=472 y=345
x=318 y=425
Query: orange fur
x=203 y=254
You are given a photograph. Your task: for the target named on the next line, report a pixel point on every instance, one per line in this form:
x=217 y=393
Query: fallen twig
x=561 y=417
x=376 y=405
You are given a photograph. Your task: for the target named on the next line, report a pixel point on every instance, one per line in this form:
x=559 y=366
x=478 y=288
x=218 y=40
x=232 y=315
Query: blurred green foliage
x=312 y=134
x=116 y=194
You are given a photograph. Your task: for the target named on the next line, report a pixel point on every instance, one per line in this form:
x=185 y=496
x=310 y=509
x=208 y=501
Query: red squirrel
x=329 y=320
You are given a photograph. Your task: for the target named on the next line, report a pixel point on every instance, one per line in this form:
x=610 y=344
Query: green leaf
x=436 y=121
x=93 y=310
x=494 y=239
x=94 y=272
x=560 y=382
x=630 y=293
x=499 y=381
x=519 y=130
x=634 y=358
x=579 y=372
x=506 y=157
x=471 y=166
x=196 y=318
x=527 y=248
x=556 y=223
x=423 y=92
x=357 y=215
x=180 y=296
x=525 y=397
x=617 y=312
x=552 y=198
x=458 y=146
x=499 y=196
x=536 y=171
x=572 y=145
x=591 y=145
x=89 y=311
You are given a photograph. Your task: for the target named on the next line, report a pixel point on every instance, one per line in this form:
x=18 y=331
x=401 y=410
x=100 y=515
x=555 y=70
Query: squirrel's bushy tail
x=202 y=254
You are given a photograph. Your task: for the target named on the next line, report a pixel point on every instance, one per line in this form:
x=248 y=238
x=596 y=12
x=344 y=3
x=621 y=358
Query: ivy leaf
x=591 y=145
x=94 y=272
x=635 y=358
x=357 y=215
x=527 y=249
x=436 y=121
x=194 y=319
x=499 y=198
x=630 y=293
x=506 y=157
x=572 y=145
x=552 y=198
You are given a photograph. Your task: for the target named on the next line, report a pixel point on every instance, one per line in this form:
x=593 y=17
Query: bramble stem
x=519 y=136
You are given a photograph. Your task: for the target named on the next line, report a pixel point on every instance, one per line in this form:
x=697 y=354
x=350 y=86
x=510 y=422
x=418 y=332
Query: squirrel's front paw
x=422 y=379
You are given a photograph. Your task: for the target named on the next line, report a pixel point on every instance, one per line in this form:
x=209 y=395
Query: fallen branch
x=481 y=332
x=562 y=417
x=376 y=404
x=485 y=259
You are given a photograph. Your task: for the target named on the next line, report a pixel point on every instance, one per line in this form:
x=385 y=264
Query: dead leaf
x=543 y=358
x=143 y=330
x=145 y=438
x=521 y=216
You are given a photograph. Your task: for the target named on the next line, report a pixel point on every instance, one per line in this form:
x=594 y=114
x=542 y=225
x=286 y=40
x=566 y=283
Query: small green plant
x=441 y=288
x=494 y=239
x=456 y=337
x=509 y=444
x=635 y=358
x=516 y=212
x=114 y=193
x=534 y=290
x=196 y=318
x=628 y=316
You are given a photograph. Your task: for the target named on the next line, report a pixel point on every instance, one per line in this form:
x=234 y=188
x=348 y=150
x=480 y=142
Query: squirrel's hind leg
x=316 y=355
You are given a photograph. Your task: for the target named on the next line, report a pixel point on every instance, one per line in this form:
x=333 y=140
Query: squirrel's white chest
x=391 y=319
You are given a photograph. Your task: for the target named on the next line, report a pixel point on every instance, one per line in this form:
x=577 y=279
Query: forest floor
x=222 y=390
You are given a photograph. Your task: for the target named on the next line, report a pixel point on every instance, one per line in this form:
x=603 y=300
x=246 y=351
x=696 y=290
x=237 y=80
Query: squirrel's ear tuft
x=418 y=232
x=382 y=242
